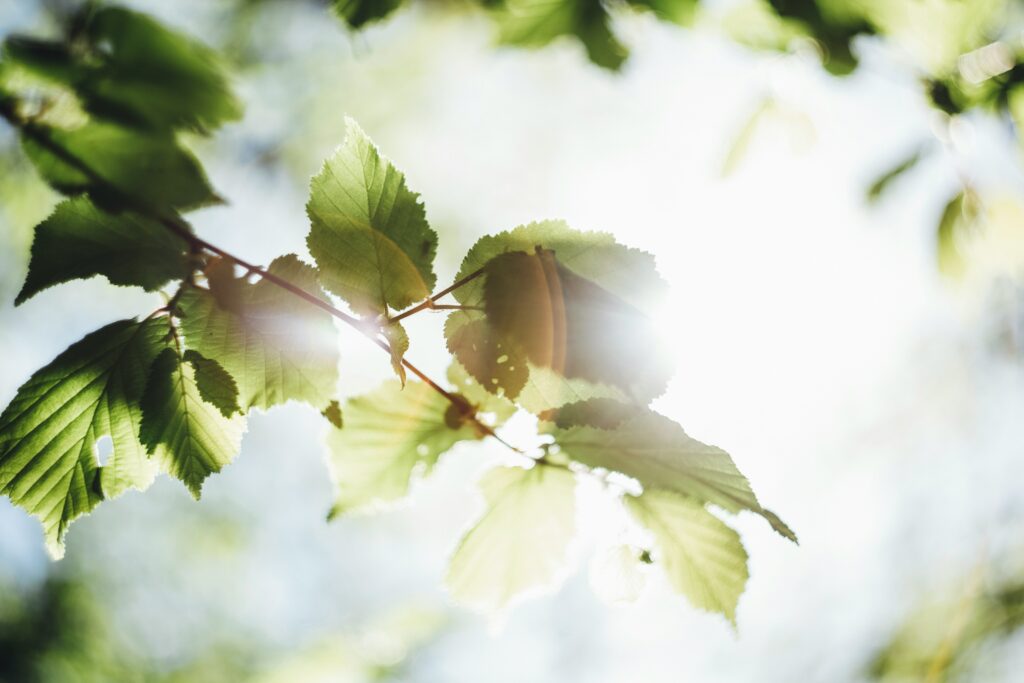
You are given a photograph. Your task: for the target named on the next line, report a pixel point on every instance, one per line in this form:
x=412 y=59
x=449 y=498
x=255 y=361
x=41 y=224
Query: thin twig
x=179 y=227
x=429 y=302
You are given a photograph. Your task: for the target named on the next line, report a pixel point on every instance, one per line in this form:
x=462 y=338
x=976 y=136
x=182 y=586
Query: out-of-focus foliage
x=943 y=638
x=61 y=631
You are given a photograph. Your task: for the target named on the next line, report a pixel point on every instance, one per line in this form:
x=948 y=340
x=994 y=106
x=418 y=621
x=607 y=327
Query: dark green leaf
x=128 y=68
x=536 y=23
x=118 y=166
x=215 y=385
x=79 y=240
x=358 y=13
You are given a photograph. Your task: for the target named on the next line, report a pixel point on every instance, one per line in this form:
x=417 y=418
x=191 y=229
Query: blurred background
x=863 y=370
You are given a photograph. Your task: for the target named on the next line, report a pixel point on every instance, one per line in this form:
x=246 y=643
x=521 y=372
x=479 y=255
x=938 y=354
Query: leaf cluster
x=548 y=320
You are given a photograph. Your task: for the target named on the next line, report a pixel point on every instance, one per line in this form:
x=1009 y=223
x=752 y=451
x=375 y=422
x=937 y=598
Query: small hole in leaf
x=104 y=448
x=422 y=450
x=503 y=358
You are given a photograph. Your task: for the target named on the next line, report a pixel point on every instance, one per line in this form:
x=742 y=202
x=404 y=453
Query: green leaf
x=215 y=385
x=398 y=340
x=623 y=273
x=656 y=451
x=332 y=413
x=536 y=23
x=188 y=436
x=48 y=434
x=572 y=325
x=882 y=183
x=358 y=13
x=369 y=233
x=128 y=68
x=547 y=390
x=958 y=219
x=391 y=436
x=521 y=541
x=118 y=166
x=79 y=240
x=604 y=413
x=681 y=12
x=497 y=365
x=479 y=397
x=276 y=347
x=703 y=558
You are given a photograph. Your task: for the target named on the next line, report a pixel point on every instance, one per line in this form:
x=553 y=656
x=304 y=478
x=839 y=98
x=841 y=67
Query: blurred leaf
x=882 y=183
x=943 y=638
x=956 y=222
x=276 y=347
x=48 y=433
x=369 y=233
x=656 y=451
x=680 y=12
x=127 y=67
x=520 y=542
x=215 y=385
x=703 y=558
x=741 y=143
x=79 y=240
x=391 y=436
x=188 y=436
x=358 y=13
x=833 y=25
x=536 y=23
x=115 y=165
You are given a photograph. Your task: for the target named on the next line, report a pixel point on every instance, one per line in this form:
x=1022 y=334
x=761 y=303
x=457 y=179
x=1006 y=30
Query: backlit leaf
x=369 y=233
x=521 y=542
x=703 y=558
x=606 y=281
x=656 y=451
x=275 y=346
x=189 y=437
x=48 y=434
x=390 y=437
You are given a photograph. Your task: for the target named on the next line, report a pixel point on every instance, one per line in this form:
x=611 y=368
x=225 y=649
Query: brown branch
x=429 y=302
x=180 y=228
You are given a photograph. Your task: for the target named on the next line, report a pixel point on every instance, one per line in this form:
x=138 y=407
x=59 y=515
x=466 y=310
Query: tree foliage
x=548 y=319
